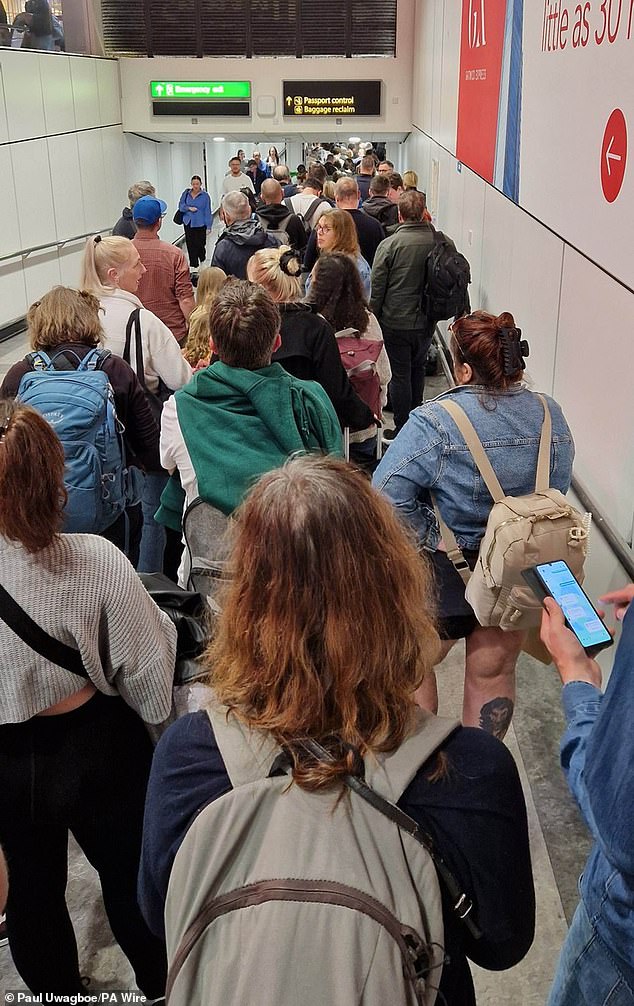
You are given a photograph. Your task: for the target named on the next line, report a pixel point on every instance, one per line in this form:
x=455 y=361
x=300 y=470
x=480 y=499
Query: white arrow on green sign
x=200 y=90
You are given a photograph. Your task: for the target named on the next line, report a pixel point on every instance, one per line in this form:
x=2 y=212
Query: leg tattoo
x=495 y=717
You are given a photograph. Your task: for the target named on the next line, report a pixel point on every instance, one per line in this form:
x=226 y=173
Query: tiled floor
x=559 y=841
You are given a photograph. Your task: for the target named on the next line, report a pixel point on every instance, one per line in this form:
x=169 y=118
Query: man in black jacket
x=379 y=205
x=276 y=218
x=125 y=226
x=398 y=277
x=242 y=237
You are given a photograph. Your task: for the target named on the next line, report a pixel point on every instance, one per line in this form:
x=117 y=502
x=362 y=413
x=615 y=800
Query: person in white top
x=305 y=202
x=236 y=179
x=111 y=270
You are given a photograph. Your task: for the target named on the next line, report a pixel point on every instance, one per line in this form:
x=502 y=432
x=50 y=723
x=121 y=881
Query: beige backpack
x=521 y=531
x=281 y=896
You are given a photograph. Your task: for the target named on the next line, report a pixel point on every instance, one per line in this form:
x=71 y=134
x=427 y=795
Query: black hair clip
x=290 y=263
x=97 y=238
x=514 y=349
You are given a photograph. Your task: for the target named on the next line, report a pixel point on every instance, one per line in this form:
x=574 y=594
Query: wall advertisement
x=546 y=111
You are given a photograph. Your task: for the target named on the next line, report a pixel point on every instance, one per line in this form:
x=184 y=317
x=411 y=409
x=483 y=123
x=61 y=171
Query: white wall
x=66 y=165
x=577 y=318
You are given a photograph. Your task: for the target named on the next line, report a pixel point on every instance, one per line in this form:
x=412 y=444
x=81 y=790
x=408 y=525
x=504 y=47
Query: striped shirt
x=166 y=284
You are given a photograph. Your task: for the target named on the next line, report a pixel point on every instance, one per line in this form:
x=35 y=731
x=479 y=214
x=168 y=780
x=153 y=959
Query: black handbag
x=190 y=614
x=155 y=399
x=178 y=217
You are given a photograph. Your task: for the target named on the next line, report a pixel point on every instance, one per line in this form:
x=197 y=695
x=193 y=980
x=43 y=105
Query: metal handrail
x=617 y=544
x=25 y=252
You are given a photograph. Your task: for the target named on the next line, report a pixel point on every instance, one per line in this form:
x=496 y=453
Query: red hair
x=477 y=340
x=32 y=493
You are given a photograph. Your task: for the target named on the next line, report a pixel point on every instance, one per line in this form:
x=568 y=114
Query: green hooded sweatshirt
x=238 y=424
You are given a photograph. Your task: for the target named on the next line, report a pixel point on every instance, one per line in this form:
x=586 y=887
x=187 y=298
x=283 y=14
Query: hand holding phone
x=556 y=580
x=569 y=656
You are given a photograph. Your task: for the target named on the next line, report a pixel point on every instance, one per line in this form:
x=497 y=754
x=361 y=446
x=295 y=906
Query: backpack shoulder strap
x=95 y=359
x=390 y=774
x=38 y=360
x=288 y=202
x=312 y=209
x=542 y=480
x=476 y=449
x=248 y=754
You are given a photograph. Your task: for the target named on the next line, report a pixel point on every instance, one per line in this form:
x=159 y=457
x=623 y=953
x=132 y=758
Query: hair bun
x=290 y=263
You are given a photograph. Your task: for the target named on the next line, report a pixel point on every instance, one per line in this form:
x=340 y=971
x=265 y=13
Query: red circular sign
x=613 y=155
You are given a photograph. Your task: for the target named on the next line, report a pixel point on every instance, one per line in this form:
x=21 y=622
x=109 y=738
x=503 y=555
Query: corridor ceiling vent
x=243 y=29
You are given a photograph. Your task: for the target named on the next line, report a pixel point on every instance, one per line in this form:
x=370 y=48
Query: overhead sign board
x=332 y=98
x=199 y=90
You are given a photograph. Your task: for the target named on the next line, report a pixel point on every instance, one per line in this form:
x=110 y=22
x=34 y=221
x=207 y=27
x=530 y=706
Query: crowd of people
x=340 y=601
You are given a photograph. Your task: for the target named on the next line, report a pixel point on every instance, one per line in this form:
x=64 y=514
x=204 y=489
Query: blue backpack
x=79 y=405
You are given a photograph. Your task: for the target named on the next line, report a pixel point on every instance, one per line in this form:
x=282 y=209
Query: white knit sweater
x=83 y=591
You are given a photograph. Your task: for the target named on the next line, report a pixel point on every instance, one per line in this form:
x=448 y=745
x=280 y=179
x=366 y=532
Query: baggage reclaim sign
x=332 y=98
x=201 y=97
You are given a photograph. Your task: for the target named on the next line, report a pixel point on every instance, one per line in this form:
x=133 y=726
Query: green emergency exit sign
x=199 y=90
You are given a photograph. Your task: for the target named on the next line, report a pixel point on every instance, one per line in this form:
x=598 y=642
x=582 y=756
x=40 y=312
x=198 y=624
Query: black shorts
x=456 y=619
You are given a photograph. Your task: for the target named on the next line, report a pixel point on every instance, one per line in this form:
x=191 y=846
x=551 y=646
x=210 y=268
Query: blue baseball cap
x=149 y=209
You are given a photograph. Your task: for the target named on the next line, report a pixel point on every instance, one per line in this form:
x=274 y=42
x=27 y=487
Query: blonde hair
x=264 y=268
x=210 y=282
x=305 y=645
x=64 y=315
x=100 y=255
x=329 y=189
x=410 y=180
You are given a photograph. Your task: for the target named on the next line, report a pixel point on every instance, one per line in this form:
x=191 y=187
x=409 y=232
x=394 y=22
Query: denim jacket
x=597 y=756
x=429 y=455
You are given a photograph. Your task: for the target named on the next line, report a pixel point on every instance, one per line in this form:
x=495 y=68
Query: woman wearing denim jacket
x=596 y=966
x=429 y=456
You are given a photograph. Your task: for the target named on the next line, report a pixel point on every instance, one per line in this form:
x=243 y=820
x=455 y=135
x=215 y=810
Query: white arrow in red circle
x=609 y=156
x=613 y=155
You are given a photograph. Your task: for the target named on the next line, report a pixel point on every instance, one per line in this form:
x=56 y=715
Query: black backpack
x=447 y=278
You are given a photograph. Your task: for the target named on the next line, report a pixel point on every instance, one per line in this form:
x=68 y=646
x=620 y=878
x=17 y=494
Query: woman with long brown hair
x=308 y=648
x=85 y=656
x=336 y=232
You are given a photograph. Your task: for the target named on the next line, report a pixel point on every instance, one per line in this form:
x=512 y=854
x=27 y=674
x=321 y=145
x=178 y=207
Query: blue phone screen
x=581 y=616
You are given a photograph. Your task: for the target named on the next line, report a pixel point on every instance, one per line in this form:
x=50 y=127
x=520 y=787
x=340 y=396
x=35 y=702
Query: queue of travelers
x=243 y=397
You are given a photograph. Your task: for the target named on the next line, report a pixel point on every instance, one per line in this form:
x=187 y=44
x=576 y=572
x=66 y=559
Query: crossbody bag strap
x=476 y=449
x=542 y=480
x=461 y=902
x=37 y=638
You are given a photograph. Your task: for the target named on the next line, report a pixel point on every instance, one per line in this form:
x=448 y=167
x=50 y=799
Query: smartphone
x=556 y=580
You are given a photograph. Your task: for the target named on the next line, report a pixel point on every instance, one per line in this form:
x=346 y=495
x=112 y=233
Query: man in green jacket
x=243 y=415
x=398 y=275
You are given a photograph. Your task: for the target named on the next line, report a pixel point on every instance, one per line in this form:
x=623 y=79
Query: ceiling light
x=219 y=139
x=354 y=139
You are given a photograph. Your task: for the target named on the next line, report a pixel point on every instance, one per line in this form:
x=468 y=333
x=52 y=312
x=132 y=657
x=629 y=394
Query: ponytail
x=100 y=255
